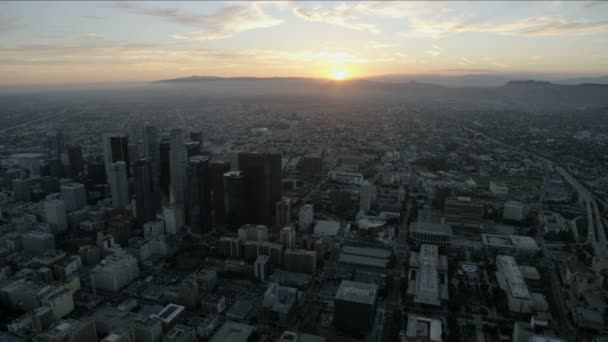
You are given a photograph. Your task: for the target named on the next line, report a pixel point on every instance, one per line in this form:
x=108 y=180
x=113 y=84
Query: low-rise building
x=421 y=328
x=427 y=276
x=510 y=244
x=430 y=232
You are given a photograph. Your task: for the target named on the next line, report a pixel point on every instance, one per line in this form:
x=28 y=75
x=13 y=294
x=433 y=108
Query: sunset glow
x=88 y=41
x=339 y=74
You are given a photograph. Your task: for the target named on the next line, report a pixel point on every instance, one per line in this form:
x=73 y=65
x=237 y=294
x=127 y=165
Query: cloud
x=8 y=24
x=225 y=23
x=439 y=26
x=380 y=45
x=465 y=61
x=590 y=4
x=341 y=15
x=435 y=51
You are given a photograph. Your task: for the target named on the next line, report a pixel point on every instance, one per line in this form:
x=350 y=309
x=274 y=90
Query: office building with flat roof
x=355 y=307
x=463 y=212
x=427 y=276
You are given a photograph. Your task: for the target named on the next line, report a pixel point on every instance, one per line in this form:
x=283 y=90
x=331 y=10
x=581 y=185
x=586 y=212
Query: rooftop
x=367 y=252
x=233 y=332
x=513 y=277
x=353 y=291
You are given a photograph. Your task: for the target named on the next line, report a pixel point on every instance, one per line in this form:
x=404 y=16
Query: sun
x=339 y=74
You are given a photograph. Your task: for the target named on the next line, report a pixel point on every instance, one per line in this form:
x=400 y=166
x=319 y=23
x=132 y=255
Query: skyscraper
x=151 y=149
x=287 y=237
x=193 y=148
x=198 y=137
x=365 y=196
x=56 y=215
x=217 y=169
x=199 y=195
x=178 y=162
x=235 y=201
x=119 y=185
x=74 y=196
x=116 y=148
x=96 y=170
x=55 y=143
x=164 y=148
x=263 y=184
x=305 y=217
x=76 y=159
x=283 y=212
x=146 y=198
x=152 y=154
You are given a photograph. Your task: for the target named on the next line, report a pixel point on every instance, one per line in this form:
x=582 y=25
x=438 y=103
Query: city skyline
x=96 y=42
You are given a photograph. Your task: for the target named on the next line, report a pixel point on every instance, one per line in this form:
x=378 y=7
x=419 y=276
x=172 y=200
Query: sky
x=87 y=41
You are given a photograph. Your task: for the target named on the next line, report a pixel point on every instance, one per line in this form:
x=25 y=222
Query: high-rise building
x=178 y=163
x=119 y=185
x=229 y=247
x=355 y=306
x=464 y=212
x=197 y=137
x=152 y=153
x=262 y=267
x=116 y=148
x=193 y=148
x=262 y=183
x=305 y=217
x=55 y=143
x=21 y=190
x=287 y=236
x=235 y=200
x=147 y=200
x=199 y=195
x=300 y=260
x=96 y=170
x=76 y=159
x=312 y=166
x=283 y=212
x=217 y=169
x=74 y=196
x=164 y=148
x=56 y=215
x=365 y=196
x=115 y=272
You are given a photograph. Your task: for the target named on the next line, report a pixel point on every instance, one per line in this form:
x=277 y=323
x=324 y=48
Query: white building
x=56 y=215
x=74 y=196
x=428 y=276
x=511 y=280
x=305 y=217
x=119 y=184
x=365 y=196
x=115 y=272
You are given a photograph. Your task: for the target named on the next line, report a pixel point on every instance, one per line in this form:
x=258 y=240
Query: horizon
x=71 y=43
